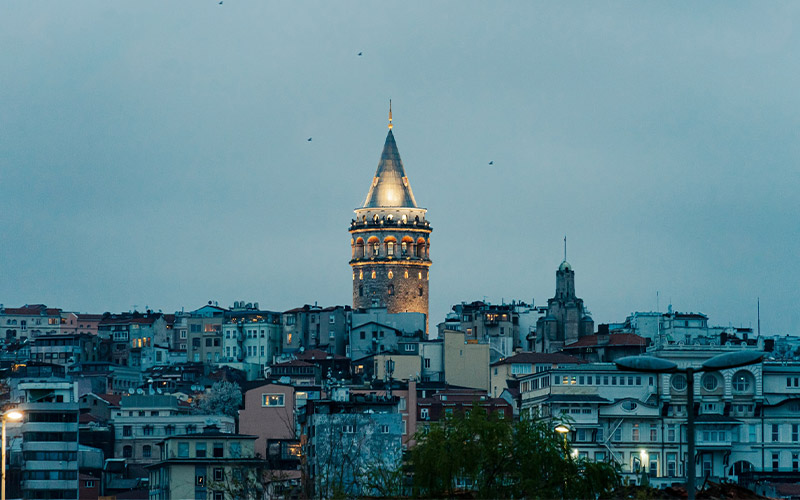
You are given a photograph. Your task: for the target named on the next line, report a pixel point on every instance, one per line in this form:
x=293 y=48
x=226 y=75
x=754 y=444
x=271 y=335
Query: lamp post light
x=14 y=415
x=652 y=364
x=563 y=429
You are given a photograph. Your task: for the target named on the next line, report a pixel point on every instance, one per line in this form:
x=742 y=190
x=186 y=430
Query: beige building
x=522 y=364
x=210 y=466
x=466 y=361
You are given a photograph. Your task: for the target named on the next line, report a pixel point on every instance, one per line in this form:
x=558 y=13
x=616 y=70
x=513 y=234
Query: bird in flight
x=309 y=139
x=360 y=53
x=220 y=2
x=491 y=162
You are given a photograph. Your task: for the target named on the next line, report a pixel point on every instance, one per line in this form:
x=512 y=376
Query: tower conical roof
x=390 y=187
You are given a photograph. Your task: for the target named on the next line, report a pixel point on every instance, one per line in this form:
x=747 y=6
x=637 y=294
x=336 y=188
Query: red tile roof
x=614 y=339
x=32 y=310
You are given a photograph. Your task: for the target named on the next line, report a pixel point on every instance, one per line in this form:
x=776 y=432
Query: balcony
x=45 y=484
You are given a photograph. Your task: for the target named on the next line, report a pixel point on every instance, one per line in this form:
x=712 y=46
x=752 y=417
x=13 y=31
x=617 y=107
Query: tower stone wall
x=390 y=242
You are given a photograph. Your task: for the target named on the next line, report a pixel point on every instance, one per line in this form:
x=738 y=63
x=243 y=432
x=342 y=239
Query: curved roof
x=565 y=266
x=390 y=187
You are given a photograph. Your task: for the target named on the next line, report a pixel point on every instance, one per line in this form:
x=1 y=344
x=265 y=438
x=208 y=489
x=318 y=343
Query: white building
x=748 y=418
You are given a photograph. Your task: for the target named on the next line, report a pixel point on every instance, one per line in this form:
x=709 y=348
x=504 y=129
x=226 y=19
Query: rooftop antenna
x=658 y=309
x=565 y=248
x=758 y=314
x=390 y=114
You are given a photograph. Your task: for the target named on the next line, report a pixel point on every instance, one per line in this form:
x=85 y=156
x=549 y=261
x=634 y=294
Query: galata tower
x=390 y=241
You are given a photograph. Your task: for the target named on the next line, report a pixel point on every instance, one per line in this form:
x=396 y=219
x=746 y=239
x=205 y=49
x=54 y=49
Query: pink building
x=269 y=413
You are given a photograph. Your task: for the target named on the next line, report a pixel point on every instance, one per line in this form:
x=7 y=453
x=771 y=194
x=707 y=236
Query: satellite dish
x=139 y=391
x=130 y=390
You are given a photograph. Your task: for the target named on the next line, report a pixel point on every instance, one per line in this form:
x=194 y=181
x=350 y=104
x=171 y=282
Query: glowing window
x=374 y=274
x=391 y=275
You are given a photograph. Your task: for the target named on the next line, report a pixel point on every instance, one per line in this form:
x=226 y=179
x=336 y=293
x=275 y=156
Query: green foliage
x=498 y=459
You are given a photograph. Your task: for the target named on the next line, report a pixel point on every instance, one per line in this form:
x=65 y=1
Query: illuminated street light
x=651 y=364
x=14 y=415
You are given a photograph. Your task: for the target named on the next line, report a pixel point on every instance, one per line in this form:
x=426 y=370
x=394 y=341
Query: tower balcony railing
x=360 y=224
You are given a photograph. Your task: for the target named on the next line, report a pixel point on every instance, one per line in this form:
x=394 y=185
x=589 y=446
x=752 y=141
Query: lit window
x=276 y=400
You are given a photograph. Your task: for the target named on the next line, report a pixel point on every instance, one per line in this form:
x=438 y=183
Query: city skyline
x=158 y=155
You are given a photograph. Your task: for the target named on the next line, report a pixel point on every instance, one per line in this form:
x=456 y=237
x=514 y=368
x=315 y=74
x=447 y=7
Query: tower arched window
x=390 y=275
x=374 y=274
x=360 y=290
x=390 y=248
x=406 y=274
x=390 y=289
x=420 y=291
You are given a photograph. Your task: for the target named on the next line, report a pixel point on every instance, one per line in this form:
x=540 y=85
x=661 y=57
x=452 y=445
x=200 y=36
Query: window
x=710 y=382
x=427 y=362
x=236 y=449
x=218 y=473
x=384 y=429
x=127 y=451
x=348 y=428
x=775 y=433
x=147 y=451
x=169 y=430
x=219 y=449
x=671 y=433
x=599 y=435
x=653 y=432
x=618 y=433
x=795 y=433
x=127 y=430
x=362 y=335
x=88 y=484
x=148 y=430
x=200 y=450
x=672 y=464
x=776 y=458
x=423 y=414
x=409 y=347
x=191 y=429
x=599 y=456
x=272 y=400
x=678 y=382
x=183 y=450
x=635 y=432
x=795 y=462
x=741 y=381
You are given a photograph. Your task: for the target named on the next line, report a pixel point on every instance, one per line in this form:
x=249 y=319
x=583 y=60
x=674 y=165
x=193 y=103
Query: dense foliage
x=497 y=459
x=224 y=398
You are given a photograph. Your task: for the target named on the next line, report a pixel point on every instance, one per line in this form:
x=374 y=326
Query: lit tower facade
x=390 y=241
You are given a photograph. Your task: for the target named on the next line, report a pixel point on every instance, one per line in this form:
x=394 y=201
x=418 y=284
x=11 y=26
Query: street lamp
x=14 y=415
x=652 y=364
x=563 y=429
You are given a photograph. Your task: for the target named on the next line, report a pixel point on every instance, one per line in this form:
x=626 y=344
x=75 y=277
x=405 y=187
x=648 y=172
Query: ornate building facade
x=390 y=241
x=567 y=319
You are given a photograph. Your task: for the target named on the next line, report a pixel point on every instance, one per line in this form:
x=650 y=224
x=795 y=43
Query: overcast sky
x=155 y=153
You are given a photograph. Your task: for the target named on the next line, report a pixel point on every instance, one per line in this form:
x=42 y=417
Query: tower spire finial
x=390 y=114
x=565 y=248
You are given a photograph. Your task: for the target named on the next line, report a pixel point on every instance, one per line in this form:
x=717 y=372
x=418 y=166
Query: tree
x=225 y=398
x=496 y=459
